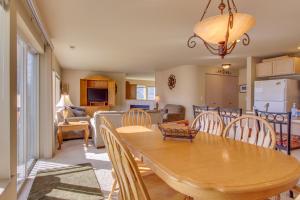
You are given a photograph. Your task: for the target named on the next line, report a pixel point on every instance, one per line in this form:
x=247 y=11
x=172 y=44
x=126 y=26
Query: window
x=145 y=93
x=151 y=93
x=27 y=108
x=141 y=92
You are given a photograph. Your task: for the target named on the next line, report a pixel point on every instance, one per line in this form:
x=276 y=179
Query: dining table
x=213 y=167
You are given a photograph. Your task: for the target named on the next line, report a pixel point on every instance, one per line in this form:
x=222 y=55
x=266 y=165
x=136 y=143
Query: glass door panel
x=32 y=110
x=21 y=114
x=27 y=104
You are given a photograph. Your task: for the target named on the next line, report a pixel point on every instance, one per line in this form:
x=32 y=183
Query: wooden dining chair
x=208 y=122
x=281 y=123
x=229 y=114
x=251 y=129
x=132 y=185
x=136 y=117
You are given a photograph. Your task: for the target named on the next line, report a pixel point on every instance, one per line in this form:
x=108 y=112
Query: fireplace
x=144 y=107
x=97 y=96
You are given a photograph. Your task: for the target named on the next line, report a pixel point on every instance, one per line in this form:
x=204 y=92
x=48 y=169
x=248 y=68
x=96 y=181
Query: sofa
x=75 y=114
x=173 y=112
x=115 y=118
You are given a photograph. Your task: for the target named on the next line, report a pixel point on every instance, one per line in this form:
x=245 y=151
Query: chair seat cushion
x=295 y=140
x=158 y=189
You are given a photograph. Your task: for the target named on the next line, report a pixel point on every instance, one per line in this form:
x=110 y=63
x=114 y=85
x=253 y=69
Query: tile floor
x=75 y=152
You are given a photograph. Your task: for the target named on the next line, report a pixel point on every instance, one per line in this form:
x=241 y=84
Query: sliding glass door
x=27 y=104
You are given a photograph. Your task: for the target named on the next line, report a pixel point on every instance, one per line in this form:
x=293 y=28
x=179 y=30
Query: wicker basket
x=177 y=131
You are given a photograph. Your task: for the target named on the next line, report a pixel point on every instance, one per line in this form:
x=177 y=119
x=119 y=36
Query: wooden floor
x=74 y=152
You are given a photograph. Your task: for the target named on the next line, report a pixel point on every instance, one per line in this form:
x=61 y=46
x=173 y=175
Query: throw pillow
x=70 y=113
x=79 y=113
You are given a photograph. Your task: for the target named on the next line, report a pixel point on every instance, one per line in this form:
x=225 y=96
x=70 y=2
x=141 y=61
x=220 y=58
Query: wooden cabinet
x=221 y=91
x=264 y=69
x=83 y=92
x=130 y=90
x=285 y=66
x=97 y=91
x=111 y=93
x=278 y=67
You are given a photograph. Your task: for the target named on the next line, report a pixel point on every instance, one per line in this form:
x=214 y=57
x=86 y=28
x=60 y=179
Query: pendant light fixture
x=220 y=33
x=226 y=66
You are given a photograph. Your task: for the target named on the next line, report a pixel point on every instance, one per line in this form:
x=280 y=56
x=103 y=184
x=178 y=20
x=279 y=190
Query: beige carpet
x=66 y=183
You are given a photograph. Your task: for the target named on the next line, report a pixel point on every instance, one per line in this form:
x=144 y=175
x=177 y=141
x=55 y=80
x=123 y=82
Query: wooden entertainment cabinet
x=98 y=91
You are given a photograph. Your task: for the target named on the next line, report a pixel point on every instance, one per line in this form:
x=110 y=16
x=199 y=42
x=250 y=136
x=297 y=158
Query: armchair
x=172 y=112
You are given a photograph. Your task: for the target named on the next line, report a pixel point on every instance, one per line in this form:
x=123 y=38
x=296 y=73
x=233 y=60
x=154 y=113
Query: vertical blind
x=4 y=4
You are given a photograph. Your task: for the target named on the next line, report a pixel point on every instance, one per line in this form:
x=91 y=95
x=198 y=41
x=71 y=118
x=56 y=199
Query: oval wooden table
x=213 y=167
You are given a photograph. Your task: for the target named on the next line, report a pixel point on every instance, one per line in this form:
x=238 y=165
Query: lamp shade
x=157 y=99
x=64 y=101
x=213 y=29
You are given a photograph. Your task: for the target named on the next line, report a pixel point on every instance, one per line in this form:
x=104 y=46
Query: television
x=97 y=95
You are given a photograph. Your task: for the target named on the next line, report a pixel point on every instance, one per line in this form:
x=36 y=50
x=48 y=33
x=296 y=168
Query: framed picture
x=243 y=88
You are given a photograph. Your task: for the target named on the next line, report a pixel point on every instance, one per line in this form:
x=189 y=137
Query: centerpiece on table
x=179 y=130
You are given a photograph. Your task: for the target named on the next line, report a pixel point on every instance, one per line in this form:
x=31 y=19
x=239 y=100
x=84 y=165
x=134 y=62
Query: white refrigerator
x=278 y=95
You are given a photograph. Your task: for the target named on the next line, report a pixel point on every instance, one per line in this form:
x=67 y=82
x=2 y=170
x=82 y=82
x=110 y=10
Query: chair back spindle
x=208 y=122
x=251 y=129
x=136 y=117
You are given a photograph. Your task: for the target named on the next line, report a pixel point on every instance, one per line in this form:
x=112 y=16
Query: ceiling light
x=298 y=48
x=238 y=40
x=226 y=66
x=220 y=33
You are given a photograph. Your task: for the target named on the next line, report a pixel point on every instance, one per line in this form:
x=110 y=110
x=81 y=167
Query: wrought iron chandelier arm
x=207 y=6
x=229 y=7
x=192 y=41
x=246 y=39
x=232 y=46
x=234 y=6
x=211 y=49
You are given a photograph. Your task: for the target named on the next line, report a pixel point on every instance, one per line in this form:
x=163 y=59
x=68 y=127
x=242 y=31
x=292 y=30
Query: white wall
x=72 y=78
x=189 y=89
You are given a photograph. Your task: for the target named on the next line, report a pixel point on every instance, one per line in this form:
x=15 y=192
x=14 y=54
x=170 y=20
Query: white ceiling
x=148 y=35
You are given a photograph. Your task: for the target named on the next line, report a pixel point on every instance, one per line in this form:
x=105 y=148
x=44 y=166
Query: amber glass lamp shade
x=213 y=29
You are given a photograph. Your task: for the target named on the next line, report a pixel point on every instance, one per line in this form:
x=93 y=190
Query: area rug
x=67 y=183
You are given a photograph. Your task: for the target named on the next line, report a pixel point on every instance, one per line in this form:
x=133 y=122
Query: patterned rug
x=67 y=183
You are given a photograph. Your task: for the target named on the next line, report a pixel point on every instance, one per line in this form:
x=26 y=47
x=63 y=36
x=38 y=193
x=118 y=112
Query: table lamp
x=157 y=99
x=64 y=102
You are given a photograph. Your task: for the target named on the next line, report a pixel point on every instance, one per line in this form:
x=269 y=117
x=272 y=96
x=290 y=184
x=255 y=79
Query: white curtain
x=4 y=4
x=4 y=95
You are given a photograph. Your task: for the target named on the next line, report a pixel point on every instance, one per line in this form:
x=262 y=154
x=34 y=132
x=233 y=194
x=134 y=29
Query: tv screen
x=97 y=95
